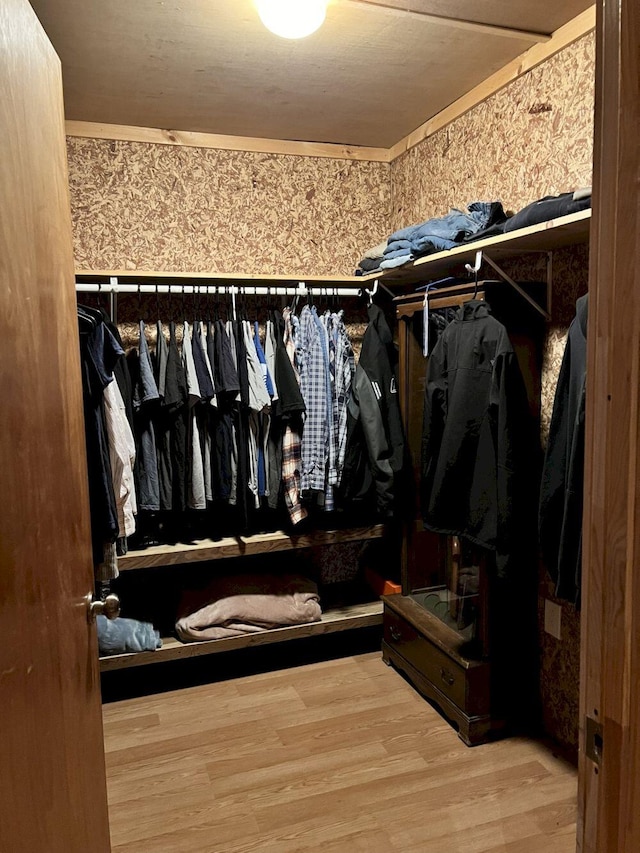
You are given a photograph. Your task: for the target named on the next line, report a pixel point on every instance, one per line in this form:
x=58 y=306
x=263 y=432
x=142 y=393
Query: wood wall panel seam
x=457 y=23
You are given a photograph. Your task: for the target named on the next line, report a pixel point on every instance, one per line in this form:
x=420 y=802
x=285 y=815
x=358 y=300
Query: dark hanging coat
x=476 y=436
x=375 y=453
x=563 y=473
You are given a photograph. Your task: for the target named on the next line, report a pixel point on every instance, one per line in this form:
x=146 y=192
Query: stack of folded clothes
x=440 y=233
x=550 y=207
x=481 y=220
x=371 y=259
x=247 y=604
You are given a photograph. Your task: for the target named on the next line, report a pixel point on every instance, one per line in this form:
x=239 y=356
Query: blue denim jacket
x=445 y=232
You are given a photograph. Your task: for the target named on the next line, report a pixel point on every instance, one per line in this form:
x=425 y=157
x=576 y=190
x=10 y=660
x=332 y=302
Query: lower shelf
x=158 y=556
x=340 y=619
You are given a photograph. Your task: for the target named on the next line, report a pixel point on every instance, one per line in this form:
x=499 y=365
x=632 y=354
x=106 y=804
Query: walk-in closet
x=320 y=338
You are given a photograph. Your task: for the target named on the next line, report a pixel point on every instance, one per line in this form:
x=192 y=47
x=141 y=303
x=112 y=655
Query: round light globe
x=292 y=19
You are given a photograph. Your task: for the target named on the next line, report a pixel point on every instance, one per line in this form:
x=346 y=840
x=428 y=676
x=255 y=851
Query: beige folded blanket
x=246 y=604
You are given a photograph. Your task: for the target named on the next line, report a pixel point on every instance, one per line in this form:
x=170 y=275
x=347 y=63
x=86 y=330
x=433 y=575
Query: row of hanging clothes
x=212 y=427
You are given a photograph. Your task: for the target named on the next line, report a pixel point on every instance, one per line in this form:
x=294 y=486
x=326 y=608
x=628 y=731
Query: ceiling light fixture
x=292 y=19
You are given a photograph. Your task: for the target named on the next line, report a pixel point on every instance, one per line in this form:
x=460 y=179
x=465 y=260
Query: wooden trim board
x=341 y=619
x=190 y=139
x=241 y=546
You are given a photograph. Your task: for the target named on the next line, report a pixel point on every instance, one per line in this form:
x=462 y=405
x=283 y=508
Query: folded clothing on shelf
x=369 y=264
x=550 y=207
x=440 y=233
x=370 y=261
x=119 y=636
x=246 y=604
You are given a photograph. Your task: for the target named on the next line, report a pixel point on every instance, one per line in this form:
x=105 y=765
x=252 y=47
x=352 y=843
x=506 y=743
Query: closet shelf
x=163 y=277
x=242 y=546
x=544 y=237
x=339 y=619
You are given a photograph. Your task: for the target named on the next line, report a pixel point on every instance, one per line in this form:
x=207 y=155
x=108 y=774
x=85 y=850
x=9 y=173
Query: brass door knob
x=109 y=607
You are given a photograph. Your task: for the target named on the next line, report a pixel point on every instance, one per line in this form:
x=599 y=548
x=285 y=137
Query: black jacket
x=374 y=460
x=476 y=429
x=563 y=473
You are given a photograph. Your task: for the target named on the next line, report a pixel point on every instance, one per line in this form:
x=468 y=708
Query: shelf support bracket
x=517 y=287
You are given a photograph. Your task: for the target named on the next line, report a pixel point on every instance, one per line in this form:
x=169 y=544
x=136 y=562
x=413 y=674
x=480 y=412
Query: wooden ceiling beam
x=458 y=23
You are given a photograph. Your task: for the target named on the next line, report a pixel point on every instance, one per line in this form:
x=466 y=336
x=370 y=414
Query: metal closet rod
x=232 y=289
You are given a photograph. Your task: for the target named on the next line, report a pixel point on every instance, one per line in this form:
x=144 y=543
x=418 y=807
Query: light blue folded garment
x=396 y=262
x=395 y=245
x=428 y=243
x=117 y=636
x=396 y=253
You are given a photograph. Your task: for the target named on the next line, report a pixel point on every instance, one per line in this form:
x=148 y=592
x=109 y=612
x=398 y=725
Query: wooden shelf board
x=141 y=276
x=340 y=619
x=544 y=237
x=241 y=546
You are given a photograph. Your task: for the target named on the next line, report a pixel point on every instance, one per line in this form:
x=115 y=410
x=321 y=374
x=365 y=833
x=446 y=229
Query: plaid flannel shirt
x=345 y=369
x=310 y=348
x=291 y=440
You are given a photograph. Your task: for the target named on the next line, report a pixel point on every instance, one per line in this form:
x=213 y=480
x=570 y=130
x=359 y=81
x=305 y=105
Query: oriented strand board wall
x=533 y=138
x=146 y=206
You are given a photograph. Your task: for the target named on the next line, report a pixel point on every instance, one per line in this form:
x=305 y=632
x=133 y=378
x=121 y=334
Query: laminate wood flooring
x=334 y=757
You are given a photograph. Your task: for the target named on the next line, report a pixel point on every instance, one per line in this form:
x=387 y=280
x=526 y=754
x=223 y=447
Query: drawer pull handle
x=446 y=676
x=395 y=634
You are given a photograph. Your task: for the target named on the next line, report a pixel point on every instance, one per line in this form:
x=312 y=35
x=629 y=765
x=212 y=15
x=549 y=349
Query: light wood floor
x=338 y=757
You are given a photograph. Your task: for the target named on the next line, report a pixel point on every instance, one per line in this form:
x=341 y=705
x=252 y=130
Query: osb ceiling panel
x=368 y=77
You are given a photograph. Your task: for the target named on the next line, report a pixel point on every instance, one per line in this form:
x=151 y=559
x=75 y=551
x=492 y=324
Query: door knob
x=109 y=607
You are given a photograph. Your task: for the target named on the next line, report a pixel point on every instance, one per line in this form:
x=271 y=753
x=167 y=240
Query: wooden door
x=52 y=772
x=609 y=797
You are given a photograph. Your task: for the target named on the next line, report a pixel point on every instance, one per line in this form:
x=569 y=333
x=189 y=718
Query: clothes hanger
x=474 y=270
x=294 y=303
x=371 y=293
x=139 y=305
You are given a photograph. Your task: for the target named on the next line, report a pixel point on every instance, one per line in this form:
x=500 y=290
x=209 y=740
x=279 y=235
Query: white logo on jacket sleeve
x=376 y=389
x=392 y=386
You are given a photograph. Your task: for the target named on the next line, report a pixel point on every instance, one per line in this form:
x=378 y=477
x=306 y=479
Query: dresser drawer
x=444 y=673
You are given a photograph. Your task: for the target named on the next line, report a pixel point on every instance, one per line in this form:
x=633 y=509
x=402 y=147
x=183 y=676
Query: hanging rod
x=113 y=286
